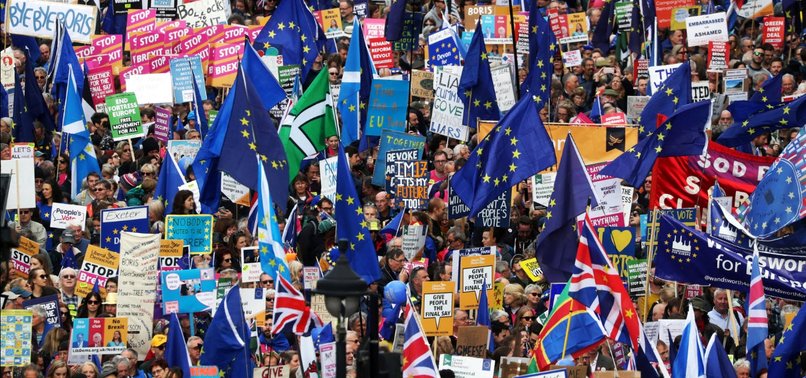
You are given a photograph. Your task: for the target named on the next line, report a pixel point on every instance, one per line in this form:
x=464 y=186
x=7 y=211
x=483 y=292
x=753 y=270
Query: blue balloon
x=395 y=292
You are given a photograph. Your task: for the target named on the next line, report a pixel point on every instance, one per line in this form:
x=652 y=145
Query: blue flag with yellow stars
x=249 y=133
x=604 y=28
x=542 y=46
x=476 y=87
x=766 y=98
x=785 y=361
x=557 y=244
x=205 y=166
x=270 y=240
x=169 y=181
x=672 y=94
x=782 y=117
x=394 y=20
x=351 y=225
x=682 y=134
x=228 y=339
x=513 y=151
x=294 y=32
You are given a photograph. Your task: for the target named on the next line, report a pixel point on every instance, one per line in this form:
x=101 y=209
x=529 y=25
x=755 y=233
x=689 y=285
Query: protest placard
x=756 y=9
x=282 y=371
x=718 y=55
x=99 y=335
x=663 y=10
x=422 y=84
x=381 y=52
x=680 y=14
x=16 y=345
x=412 y=27
x=624 y=11
x=102 y=84
x=50 y=304
x=708 y=27
x=206 y=372
x=7 y=70
x=659 y=74
x=232 y=189
x=21 y=177
x=202 y=13
x=63 y=215
x=327 y=359
x=411 y=178
x=115 y=221
x=187 y=291
x=635 y=105
x=394 y=141
x=21 y=256
x=310 y=275
x=250 y=264
x=183 y=71
x=98 y=265
x=456 y=207
x=504 y=88
x=437 y=308
x=514 y=366
x=774 y=31
x=472 y=341
x=442 y=49
x=617 y=118
x=37 y=19
x=110 y=45
x=137 y=289
x=223 y=63
x=22 y=151
x=532 y=269
x=151 y=88
x=374 y=27
x=473 y=13
x=448 y=109
x=124 y=116
x=195 y=230
x=496 y=213
x=572 y=58
x=328 y=173
x=127 y=72
x=474 y=271
x=391 y=167
x=172 y=255
x=139 y=20
x=413 y=239
x=467 y=367
x=387 y=106
x=318 y=306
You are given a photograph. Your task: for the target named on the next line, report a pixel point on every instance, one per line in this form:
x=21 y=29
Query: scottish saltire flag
x=766 y=98
x=780 y=198
x=514 y=150
x=226 y=343
x=169 y=181
x=476 y=87
x=290 y=311
x=62 y=55
x=717 y=363
x=294 y=32
x=82 y=152
x=291 y=230
x=483 y=318
x=418 y=362
x=309 y=123
x=785 y=361
x=351 y=225
x=792 y=114
x=596 y=284
x=394 y=20
x=682 y=134
x=176 y=351
x=756 y=319
x=670 y=97
x=572 y=329
x=270 y=241
x=356 y=85
x=689 y=362
x=557 y=245
x=271 y=93
x=542 y=47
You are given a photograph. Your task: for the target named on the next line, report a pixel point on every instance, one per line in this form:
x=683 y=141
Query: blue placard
x=388 y=104
x=412 y=28
x=394 y=141
x=183 y=80
x=115 y=221
x=187 y=291
x=618 y=240
x=555 y=290
x=442 y=49
x=195 y=230
x=51 y=306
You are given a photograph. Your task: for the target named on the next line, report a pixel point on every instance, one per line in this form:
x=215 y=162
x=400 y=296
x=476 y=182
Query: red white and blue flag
x=418 y=362
x=756 y=320
x=290 y=311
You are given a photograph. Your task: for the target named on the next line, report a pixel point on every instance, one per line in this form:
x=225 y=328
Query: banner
x=773 y=31
x=115 y=221
x=124 y=116
x=51 y=306
x=99 y=335
x=473 y=272
x=684 y=181
x=98 y=265
x=687 y=255
x=718 y=55
x=137 y=286
x=202 y=13
x=447 y=113
x=596 y=144
x=39 y=19
x=22 y=255
x=16 y=344
x=394 y=141
x=387 y=106
x=195 y=230
x=188 y=291
x=437 y=308
x=63 y=215
x=708 y=27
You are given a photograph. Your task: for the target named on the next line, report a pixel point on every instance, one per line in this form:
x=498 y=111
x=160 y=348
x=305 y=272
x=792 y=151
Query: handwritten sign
x=474 y=271
x=504 y=88
x=202 y=13
x=472 y=341
x=63 y=215
x=448 y=110
x=195 y=230
x=98 y=265
x=328 y=169
x=137 y=289
x=411 y=179
x=99 y=336
x=437 y=308
x=39 y=19
x=183 y=71
x=395 y=141
x=16 y=344
x=387 y=106
x=116 y=221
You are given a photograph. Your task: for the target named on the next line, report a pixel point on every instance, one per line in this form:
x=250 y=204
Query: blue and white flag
x=689 y=362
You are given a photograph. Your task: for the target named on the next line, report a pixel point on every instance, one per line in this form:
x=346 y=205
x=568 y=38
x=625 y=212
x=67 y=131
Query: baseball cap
x=158 y=340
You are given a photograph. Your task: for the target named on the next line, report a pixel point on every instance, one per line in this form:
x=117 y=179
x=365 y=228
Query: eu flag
x=542 y=46
x=557 y=244
x=394 y=20
x=604 y=28
x=169 y=181
x=30 y=107
x=351 y=225
x=786 y=357
x=27 y=43
x=516 y=149
x=766 y=98
x=61 y=57
x=476 y=87
x=293 y=31
x=782 y=117
x=176 y=352
x=113 y=23
x=271 y=93
x=672 y=94
x=356 y=86
x=228 y=338
x=483 y=318
x=201 y=118
x=205 y=166
x=682 y=134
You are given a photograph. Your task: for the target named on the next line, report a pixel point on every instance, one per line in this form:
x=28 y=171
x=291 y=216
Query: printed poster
x=124 y=116
x=98 y=265
x=22 y=255
x=437 y=308
x=15 y=342
x=195 y=230
x=116 y=221
x=99 y=336
x=473 y=272
x=188 y=291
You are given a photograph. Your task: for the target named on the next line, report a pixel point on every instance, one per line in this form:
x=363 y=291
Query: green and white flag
x=310 y=122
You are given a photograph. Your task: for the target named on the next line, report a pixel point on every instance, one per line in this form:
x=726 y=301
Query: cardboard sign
x=774 y=31
x=330 y=21
x=188 y=291
x=16 y=347
x=387 y=106
x=422 y=85
x=22 y=255
x=38 y=19
x=437 y=308
x=474 y=271
x=124 y=116
x=413 y=239
x=137 y=291
x=636 y=105
x=63 y=215
x=532 y=269
x=310 y=275
x=318 y=306
x=393 y=141
x=473 y=13
x=99 y=336
x=111 y=46
x=195 y=230
x=467 y=366
x=709 y=27
x=115 y=221
x=98 y=265
x=162 y=124
x=412 y=179
x=202 y=13
x=718 y=55
x=51 y=306
x=448 y=110
x=472 y=341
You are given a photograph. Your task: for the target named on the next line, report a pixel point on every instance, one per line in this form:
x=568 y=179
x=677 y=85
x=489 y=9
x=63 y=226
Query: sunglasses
x=99 y=189
x=267 y=282
x=93 y=302
x=199 y=347
x=756 y=53
x=161 y=347
x=43 y=276
x=69 y=276
x=530 y=318
x=25 y=211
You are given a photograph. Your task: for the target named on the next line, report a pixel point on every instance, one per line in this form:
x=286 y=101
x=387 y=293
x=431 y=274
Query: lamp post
x=342 y=289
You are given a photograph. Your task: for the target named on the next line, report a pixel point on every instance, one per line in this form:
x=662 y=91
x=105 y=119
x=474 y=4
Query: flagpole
x=652 y=231
x=514 y=49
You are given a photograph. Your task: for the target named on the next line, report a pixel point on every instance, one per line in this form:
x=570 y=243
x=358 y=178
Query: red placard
x=102 y=84
x=381 y=51
x=663 y=10
x=640 y=69
x=558 y=23
x=718 y=55
x=774 y=31
x=614 y=119
x=679 y=182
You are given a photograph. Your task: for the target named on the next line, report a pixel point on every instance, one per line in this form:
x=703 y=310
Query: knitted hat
x=129 y=180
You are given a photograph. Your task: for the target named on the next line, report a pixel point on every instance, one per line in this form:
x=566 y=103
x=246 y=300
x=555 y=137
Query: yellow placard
x=498 y=303
x=597 y=144
x=532 y=269
x=171 y=248
x=473 y=272
x=99 y=264
x=436 y=311
x=679 y=15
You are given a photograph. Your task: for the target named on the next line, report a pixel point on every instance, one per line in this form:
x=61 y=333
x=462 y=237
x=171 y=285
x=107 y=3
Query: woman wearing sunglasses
x=41 y=285
x=91 y=306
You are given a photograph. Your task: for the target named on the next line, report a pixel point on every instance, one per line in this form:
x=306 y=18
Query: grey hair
x=39 y=311
x=741 y=363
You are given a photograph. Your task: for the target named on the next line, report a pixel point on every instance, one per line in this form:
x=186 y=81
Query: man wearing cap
x=63 y=250
x=25 y=223
x=15 y=297
x=81 y=242
x=157 y=348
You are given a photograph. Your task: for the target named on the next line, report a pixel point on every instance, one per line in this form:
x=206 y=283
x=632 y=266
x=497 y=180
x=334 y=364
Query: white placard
x=63 y=215
x=231 y=188
x=22 y=177
x=447 y=114
x=626 y=201
x=700 y=91
x=413 y=239
x=22 y=151
x=202 y=13
x=705 y=28
x=137 y=286
x=572 y=58
x=151 y=88
x=467 y=367
x=504 y=89
x=39 y=19
x=670 y=326
x=542 y=186
x=328 y=169
x=7 y=73
x=327 y=359
x=250 y=265
x=659 y=74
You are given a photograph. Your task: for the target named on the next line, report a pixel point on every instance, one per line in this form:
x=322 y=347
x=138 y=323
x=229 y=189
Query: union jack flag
x=290 y=311
x=756 y=319
x=596 y=284
x=418 y=362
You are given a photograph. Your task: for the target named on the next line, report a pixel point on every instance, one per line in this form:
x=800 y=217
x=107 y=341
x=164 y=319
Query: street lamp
x=343 y=290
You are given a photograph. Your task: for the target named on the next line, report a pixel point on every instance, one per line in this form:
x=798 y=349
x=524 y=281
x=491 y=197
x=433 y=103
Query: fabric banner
x=38 y=19
x=137 y=286
x=690 y=256
x=684 y=181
